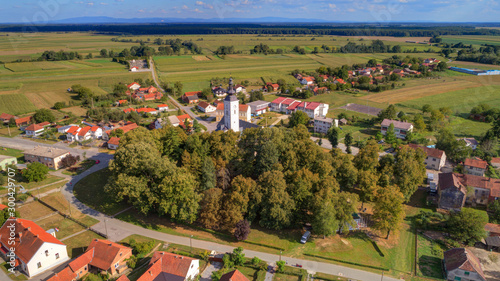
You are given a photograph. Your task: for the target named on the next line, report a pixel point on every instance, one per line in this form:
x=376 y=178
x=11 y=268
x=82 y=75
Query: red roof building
x=475 y=166
x=6 y=117
x=234 y=275
x=460 y=262
x=23 y=121
x=168 y=266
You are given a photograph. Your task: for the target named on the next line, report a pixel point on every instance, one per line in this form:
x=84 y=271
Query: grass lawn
x=33 y=210
x=86 y=189
x=79 y=168
x=328 y=277
x=4 y=132
x=430 y=256
x=285 y=277
x=77 y=245
x=58 y=201
x=31 y=186
x=13 y=152
x=66 y=227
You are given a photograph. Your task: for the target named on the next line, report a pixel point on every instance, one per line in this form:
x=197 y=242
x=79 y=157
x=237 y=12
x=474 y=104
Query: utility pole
x=106 y=228
x=280 y=254
x=8 y=128
x=191 y=243
x=382 y=278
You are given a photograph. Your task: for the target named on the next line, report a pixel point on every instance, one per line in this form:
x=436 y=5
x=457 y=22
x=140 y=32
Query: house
x=174 y=120
x=452 y=193
x=206 y=107
x=134 y=86
x=84 y=134
x=134 y=68
x=7 y=160
x=5 y=118
x=23 y=121
x=258 y=107
x=339 y=81
x=219 y=91
x=308 y=80
x=281 y=104
x=240 y=88
x=130 y=126
x=470 y=142
x=245 y=112
x=273 y=86
x=492 y=229
x=96 y=132
x=147 y=94
x=49 y=156
x=436 y=158
x=35 y=250
x=343 y=121
x=323 y=124
x=484 y=190
x=113 y=143
x=108 y=257
x=462 y=264
x=313 y=109
x=234 y=275
x=64 y=129
x=128 y=110
x=145 y=110
x=162 y=107
x=101 y=256
x=495 y=162
x=169 y=266
x=475 y=166
x=401 y=129
x=34 y=130
x=72 y=133
x=191 y=97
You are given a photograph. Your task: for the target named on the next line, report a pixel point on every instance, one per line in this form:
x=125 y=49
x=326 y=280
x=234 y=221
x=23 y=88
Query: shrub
x=132 y=262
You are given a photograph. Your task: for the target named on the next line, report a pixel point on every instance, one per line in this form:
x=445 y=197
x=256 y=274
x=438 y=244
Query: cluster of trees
x=35 y=172
x=377 y=46
x=484 y=112
x=276 y=177
x=488 y=54
x=58 y=56
x=225 y=50
x=106 y=114
x=44 y=115
x=265 y=49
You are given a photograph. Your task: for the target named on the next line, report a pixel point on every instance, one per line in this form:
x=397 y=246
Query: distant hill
x=110 y=20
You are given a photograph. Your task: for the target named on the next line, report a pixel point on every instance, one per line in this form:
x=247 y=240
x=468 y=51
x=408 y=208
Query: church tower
x=231 y=109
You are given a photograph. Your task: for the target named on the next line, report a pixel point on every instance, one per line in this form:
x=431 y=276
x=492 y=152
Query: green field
x=429 y=258
x=15 y=104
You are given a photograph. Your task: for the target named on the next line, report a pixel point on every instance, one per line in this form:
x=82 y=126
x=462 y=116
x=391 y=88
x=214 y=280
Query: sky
x=379 y=11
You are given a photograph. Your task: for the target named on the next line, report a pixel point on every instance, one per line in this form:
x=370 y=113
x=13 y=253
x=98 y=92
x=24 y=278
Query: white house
x=281 y=104
x=206 y=107
x=175 y=266
x=35 y=250
x=313 y=109
x=462 y=264
x=308 y=80
x=323 y=124
x=64 y=129
x=96 y=132
x=134 y=86
x=470 y=142
x=258 y=107
x=401 y=129
x=134 y=68
x=113 y=143
x=162 y=107
x=34 y=130
x=72 y=133
x=239 y=88
x=84 y=134
x=436 y=158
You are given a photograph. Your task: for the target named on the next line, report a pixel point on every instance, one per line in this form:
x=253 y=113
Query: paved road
x=210 y=126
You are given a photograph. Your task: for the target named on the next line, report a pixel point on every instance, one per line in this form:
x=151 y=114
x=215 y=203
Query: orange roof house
x=36 y=250
x=5 y=117
x=462 y=262
x=23 y=121
x=168 y=266
x=234 y=275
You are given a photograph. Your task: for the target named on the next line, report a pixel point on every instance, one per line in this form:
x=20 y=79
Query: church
x=231 y=120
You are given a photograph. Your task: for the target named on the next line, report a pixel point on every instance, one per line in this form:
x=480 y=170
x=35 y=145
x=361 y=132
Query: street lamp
x=191 y=243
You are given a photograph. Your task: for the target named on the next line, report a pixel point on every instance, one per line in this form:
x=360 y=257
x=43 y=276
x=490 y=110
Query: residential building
x=72 y=133
x=281 y=104
x=436 y=158
x=191 y=97
x=147 y=94
x=7 y=160
x=245 y=112
x=84 y=134
x=206 y=107
x=96 y=132
x=49 y=156
x=34 y=130
x=258 y=107
x=234 y=275
x=64 y=129
x=313 y=109
x=401 y=129
x=492 y=229
x=23 y=121
x=5 y=118
x=231 y=119
x=462 y=264
x=452 y=193
x=134 y=86
x=308 y=80
x=484 y=190
x=113 y=143
x=343 y=121
x=128 y=127
x=470 y=142
x=495 y=162
x=219 y=91
x=162 y=107
x=272 y=86
x=475 y=166
x=102 y=256
x=174 y=120
x=35 y=250
x=323 y=124
x=240 y=88
x=169 y=266
x=148 y=110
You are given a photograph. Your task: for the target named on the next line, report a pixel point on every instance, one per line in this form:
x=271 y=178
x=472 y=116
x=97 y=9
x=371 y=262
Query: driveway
x=207 y=273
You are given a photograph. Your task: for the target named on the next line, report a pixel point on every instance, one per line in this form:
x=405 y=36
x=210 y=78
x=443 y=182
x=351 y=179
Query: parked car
x=305 y=237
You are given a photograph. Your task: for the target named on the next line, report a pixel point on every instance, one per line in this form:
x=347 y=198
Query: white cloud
x=118 y=0
x=104 y=4
x=90 y=3
x=332 y=6
x=351 y=10
x=185 y=7
x=204 y=5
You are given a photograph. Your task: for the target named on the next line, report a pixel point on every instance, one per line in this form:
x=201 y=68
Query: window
x=466 y=273
x=46 y=253
x=57 y=256
x=39 y=264
x=116 y=265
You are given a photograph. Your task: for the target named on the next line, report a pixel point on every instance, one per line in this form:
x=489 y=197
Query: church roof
x=243 y=125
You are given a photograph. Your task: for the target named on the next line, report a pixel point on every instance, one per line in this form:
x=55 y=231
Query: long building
x=49 y=156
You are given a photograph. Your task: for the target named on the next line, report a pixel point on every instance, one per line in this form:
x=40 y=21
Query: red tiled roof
x=220 y=106
x=29 y=238
x=105 y=253
x=492 y=228
x=114 y=141
x=2 y=206
x=34 y=127
x=94 y=128
x=341 y=81
x=183 y=117
x=82 y=260
x=172 y=263
x=309 y=79
x=23 y=120
x=187 y=94
x=234 y=275
x=84 y=131
x=243 y=107
x=450 y=180
x=495 y=160
x=294 y=105
x=132 y=84
x=279 y=100
x=5 y=116
x=122 y=101
x=461 y=258
x=128 y=127
x=43 y=124
x=73 y=130
x=64 y=275
x=127 y=110
x=288 y=101
x=476 y=163
x=397 y=124
x=123 y=278
x=146 y=109
x=203 y=104
x=431 y=152
x=162 y=105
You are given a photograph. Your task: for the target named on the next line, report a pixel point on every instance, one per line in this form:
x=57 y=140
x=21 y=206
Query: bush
x=132 y=262
x=142 y=248
x=281 y=266
x=35 y=172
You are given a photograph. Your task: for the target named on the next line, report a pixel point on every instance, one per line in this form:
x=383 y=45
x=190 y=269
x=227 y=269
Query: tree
x=494 y=208
x=267 y=157
x=456 y=150
x=388 y=113
x=242 y=230
x=367 y=184
x=345 y=204
x=178 y=88
x=237 y=257
x=467 y=226
x=426 y=108
x=70 y=160
x=297 y=118
x=208 y=174
x=277 y=205
x=390 y=136
x=324 y=220
x=442 y=66
x=210 y=208
x=104 y=53
x=419 y=122
x=388 y=212
x=367 y=158
x=12 y=122
x=43 y=115
x=59 y=105
x=348 y=142
x=35 y=172
x=409 y=172
x=333 y=136
x=281 y=266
